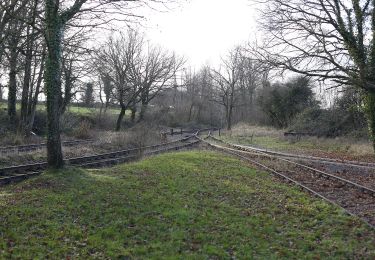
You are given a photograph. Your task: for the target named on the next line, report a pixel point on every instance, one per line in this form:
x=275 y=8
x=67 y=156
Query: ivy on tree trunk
x=52 y=78
x=369 y=98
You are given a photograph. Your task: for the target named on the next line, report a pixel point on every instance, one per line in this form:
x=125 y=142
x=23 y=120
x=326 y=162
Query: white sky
x=203 y=30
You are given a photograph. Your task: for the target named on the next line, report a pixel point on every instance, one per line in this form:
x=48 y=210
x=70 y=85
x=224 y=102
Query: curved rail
x=282 y=158
x=349 y=163
x=20 y=172
x=243 y=154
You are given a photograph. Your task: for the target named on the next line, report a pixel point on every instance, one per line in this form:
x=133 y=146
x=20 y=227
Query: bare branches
x=236 y=76
x=328 y=39
x=139 y=72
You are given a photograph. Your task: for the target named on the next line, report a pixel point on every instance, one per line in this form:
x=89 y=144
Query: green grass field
x=190 y=205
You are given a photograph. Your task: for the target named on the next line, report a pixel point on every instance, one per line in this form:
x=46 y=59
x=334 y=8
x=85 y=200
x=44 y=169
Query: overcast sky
x=203 y=30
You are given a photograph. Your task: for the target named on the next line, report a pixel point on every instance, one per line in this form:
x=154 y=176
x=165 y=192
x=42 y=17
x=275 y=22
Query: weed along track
x=321 y=160
x=359 y=172
x=354 y=197
x=21 y=172
x=34 y=147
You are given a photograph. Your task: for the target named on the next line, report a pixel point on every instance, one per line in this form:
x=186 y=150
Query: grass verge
x=263 y=137
x=194 y=205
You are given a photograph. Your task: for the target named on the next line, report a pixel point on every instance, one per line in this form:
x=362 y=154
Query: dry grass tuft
x=246 y=130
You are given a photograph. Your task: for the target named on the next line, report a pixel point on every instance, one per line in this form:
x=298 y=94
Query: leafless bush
x=83 y=130
x=12 y=139
x=68 y=122
x=144 y=134
x=245 y=130
x=105 y=121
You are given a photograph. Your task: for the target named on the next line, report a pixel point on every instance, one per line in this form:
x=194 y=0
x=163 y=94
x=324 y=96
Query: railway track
x=361 y=172
x=35 y=147
x=355 y=198
x=40 y=146
x=346 y=163
x=21 y=172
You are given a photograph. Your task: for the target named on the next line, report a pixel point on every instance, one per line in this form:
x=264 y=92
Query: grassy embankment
x=274 y=139
x=194 y=205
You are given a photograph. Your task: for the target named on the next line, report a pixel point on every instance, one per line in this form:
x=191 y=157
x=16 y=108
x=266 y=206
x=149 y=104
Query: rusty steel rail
x=20 y=172
x=34 y=147
x=180 y=131
x=241 y=153
x=328 y=175
x=132 y=157
x=358 y=164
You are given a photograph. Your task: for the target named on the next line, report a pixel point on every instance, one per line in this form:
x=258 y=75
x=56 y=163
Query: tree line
x=42 y=47
x=43 y=53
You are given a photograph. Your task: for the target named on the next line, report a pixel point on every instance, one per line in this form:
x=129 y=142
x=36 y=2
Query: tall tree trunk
x=120 y=118
x=12 y=90
x=143 y=111
x=68 y=94
x=144 y=102
x=229 y=112
x=52 y=78
x=134 y=111
x=26 y=83
x=190 y=112
x=106 y=106
x=32 y=104
x=101 y=100
x=199 y=112
x=370 y=114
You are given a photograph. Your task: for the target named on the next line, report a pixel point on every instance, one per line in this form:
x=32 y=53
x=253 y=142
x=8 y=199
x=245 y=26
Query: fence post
x=171 y=131
x=219 y=131
x=181 y=131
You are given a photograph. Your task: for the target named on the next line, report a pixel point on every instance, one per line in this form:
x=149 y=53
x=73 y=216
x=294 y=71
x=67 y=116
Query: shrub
x=83 y=130
x=283 y=102
x=328 y=123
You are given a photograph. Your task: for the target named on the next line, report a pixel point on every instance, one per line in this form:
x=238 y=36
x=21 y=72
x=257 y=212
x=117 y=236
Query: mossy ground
x=189 y=205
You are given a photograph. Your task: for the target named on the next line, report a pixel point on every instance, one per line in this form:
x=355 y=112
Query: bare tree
x=88 y=96
x=30 y=50
x=119 y=58
x=250 y=72
x=74 y=59
x=1 y=92
x=58 y=16
x=227 y=84
x=192 y=92
x=107 y=89
x=9 y=11
x=20 y=41
x=329 y=39
x=155 y=73
x=12 y=53
x=36 y=88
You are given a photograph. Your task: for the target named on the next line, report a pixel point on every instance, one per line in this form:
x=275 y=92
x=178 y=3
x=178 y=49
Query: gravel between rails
x=354 y=198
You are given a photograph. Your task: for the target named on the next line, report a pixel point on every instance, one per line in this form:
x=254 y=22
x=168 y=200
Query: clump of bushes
x=329 y=123
x=345 y=118
x=281 y=103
